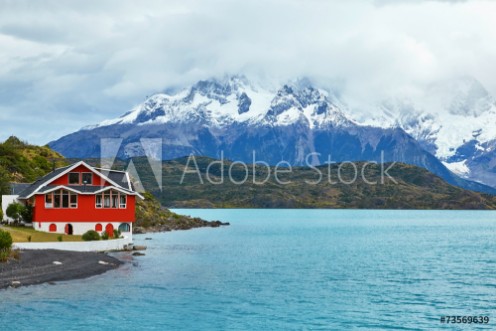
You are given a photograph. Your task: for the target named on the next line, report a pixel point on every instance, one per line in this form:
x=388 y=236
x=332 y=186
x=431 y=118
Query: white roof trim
x=63 y=187
x=108 y=188
x=74 y=166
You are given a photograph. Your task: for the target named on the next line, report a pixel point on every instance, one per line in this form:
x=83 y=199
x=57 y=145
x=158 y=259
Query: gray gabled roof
x=118 y=178
x=17 y=188
x=28 y=190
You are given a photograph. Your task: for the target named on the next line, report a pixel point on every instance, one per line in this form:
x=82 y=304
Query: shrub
x=91 y=235
x=15 y=254
x=1 y=215
x=5 y=240
x=4 y=255
x=29 y=238
x=5 y=245
x=15 y=211
x=105 y=235
x=117 y=234
x=27 y=213
x=59 y=238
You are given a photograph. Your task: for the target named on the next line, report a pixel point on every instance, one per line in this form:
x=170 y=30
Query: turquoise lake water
x=284 y=270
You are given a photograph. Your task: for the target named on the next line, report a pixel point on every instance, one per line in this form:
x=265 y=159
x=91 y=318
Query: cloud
x=396 y=2
x=64 y=65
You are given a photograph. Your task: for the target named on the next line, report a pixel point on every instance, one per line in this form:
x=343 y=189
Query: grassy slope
x=21 y=234
x=24 y=163
x=416 y=188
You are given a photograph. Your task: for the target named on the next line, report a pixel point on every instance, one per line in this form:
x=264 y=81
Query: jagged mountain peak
x=235 y=99
x=299 y=101
x=221 y=87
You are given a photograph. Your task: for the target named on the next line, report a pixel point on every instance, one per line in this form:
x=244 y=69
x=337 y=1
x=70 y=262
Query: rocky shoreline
x=50 y=265
x=185 y=224
x=152 y=217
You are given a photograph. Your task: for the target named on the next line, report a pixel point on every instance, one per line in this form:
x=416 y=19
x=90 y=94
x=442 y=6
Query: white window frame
x=98 y=204
x=111 y=195
x=69 y=178
x=73 y=205
x=104 y=199
x=122 y=205
x=49 y=204
x=61 y=194
x=82 y=175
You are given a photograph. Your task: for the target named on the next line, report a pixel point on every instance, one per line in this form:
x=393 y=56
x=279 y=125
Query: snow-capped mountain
x=455 y=121
x=295 y=122
x=235 y=100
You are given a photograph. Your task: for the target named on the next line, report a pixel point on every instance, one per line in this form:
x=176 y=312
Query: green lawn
x=21 y=234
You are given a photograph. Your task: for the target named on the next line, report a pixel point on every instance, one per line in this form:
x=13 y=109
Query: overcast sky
x=65 y=65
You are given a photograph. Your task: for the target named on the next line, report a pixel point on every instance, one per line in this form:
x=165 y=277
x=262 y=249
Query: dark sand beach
x=42 y=266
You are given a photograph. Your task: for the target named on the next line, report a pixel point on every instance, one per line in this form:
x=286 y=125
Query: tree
x=5 y=240
x=91 y=235
x=15 y=211
x=27 y=214
x=4 y=181
x=5 y=245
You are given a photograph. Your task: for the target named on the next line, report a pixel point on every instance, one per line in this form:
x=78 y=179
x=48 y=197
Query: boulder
x=138 y=230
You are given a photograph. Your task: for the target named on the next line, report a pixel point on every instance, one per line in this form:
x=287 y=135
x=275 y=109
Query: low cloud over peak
x=66 y=65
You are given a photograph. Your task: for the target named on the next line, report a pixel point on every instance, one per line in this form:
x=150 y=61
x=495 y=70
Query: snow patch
x=459 y=168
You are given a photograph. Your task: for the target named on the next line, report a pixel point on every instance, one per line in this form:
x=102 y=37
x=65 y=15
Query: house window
x=98 y=227
x=111 y=199
x=52 y=228
x=115 y=198
x=123 y=201
x=106 y=200
x=74 y=200
x=65 y=199
x=99 y=201
x=56 y=200
x=87 y=178
x=61 y=199
x=49 y=201
x=124 y=227
x=74 y=178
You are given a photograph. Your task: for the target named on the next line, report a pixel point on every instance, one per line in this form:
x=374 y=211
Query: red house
x=79 y=197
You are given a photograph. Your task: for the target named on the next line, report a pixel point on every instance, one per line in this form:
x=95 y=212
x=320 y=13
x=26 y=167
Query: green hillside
x=415 y=188
x=24 y=163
